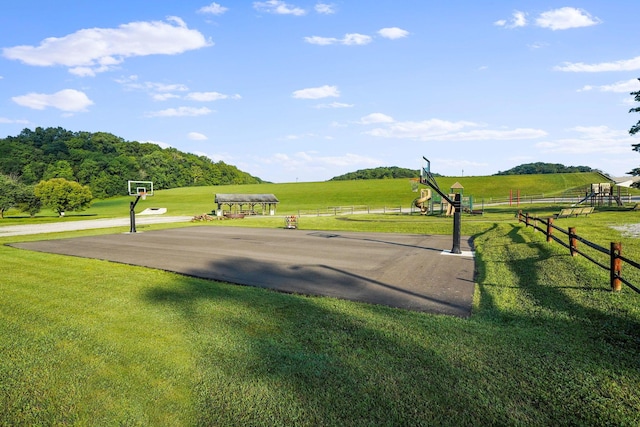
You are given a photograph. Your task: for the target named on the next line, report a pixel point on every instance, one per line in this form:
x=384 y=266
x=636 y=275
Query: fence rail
x=614 y=252
x=349 y=210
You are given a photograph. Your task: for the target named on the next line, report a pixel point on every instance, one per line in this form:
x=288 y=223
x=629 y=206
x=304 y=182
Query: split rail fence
x=614 y=252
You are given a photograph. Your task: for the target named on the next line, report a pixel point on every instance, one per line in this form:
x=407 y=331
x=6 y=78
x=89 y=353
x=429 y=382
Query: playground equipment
x=598 y=193
x=427 y=178
x=422 y=202
x=139 y=189
x=429 y=203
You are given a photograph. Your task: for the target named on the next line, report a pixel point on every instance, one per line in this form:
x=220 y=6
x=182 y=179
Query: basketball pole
x=132 y=214
x=427 y=178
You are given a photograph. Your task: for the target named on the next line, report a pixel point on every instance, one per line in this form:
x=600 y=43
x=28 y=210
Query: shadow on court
x=398 y=270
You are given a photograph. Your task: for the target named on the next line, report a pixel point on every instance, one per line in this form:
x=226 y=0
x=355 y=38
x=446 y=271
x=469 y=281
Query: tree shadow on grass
x=268 y=358
x=562 y=321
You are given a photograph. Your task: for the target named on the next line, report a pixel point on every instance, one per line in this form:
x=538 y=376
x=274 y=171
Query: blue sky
x=303 y=90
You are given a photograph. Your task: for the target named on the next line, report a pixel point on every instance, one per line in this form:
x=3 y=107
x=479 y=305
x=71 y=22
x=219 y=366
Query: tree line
x=543 y=168
x=104 y=162
x=378 y=173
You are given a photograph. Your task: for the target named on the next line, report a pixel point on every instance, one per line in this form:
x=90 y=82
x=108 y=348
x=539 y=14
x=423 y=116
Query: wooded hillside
x=378 y=173
x=105 y=162
x=540 y=167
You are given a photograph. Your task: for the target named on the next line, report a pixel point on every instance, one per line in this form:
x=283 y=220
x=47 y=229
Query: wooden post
x=526 y=219
x=520 y=215
x=549 y=229
x=573 y=242
x=616 y=266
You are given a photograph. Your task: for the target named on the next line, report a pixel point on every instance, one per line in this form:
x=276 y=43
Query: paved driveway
x=399 y=270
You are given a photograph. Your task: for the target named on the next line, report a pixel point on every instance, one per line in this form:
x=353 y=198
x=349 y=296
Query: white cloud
x=537 y=45
x=590 y=140
x=565 y=18
x=214 y=9
x=278 y=7
x=626 y=86
x=292 y=137
x=356 y=39
x=197 y=136
x=443 y=130
x=518 y=19
x=322 y=41
x=209 y=96
x=311 y=161
x=5 y=120
x=180 y=112
x=164 y=96
x=393 y=33
x=376 y=118
x=334 y=105
x=325 y=9
x=622 y=65
x=317 y=92
x=348 y=39
x=94 y=50
x=163 y=87
x=69 y=100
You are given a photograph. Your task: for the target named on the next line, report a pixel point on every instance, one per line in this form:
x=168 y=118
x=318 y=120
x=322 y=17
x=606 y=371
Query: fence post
x=573 y=242
x=549 y=229
x=616 y=266
x=526 y=219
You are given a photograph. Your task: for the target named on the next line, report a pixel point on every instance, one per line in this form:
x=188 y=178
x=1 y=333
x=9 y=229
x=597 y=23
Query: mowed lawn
x=88 y=342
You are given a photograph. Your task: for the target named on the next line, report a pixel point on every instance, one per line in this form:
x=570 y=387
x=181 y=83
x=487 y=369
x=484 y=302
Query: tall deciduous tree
x=61 y=195
x=635 y=129
x=9 y=193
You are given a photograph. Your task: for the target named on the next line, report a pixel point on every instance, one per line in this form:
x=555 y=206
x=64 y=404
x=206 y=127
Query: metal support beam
x=132 y=214
x=457 y=224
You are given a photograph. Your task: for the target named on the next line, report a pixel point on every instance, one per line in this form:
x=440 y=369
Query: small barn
x=246 y=204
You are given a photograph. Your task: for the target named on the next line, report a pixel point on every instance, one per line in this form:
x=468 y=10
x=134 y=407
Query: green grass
x=88 y=342
x=308 y=196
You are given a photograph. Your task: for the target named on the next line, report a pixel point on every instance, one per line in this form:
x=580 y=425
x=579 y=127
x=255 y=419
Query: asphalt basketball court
x=409 y=271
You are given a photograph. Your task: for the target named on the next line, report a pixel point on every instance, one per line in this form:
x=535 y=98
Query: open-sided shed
x=248 y=204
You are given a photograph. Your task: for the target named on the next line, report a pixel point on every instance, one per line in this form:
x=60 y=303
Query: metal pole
x=132 y=215
x=457 y=221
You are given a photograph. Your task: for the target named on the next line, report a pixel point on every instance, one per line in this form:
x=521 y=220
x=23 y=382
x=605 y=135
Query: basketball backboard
x=140 y=188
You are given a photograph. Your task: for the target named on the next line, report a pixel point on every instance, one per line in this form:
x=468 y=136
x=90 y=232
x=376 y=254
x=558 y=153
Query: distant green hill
x=545 y=168
x=378 y=173
x=104 y=162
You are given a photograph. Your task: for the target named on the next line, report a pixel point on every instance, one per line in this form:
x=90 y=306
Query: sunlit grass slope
x=319 y=195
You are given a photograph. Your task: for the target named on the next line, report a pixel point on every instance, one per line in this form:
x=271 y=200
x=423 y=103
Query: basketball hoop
x=143 y=195
x=415 y=184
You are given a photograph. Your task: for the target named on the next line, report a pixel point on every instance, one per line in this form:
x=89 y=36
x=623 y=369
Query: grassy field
x=88 y=342
x=305 y=196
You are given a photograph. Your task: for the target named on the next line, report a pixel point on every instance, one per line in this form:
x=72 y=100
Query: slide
x=584 y=200
x=422 y=202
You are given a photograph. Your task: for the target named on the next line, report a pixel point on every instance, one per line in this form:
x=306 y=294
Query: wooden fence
x=350 y=210
x=614 y=252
